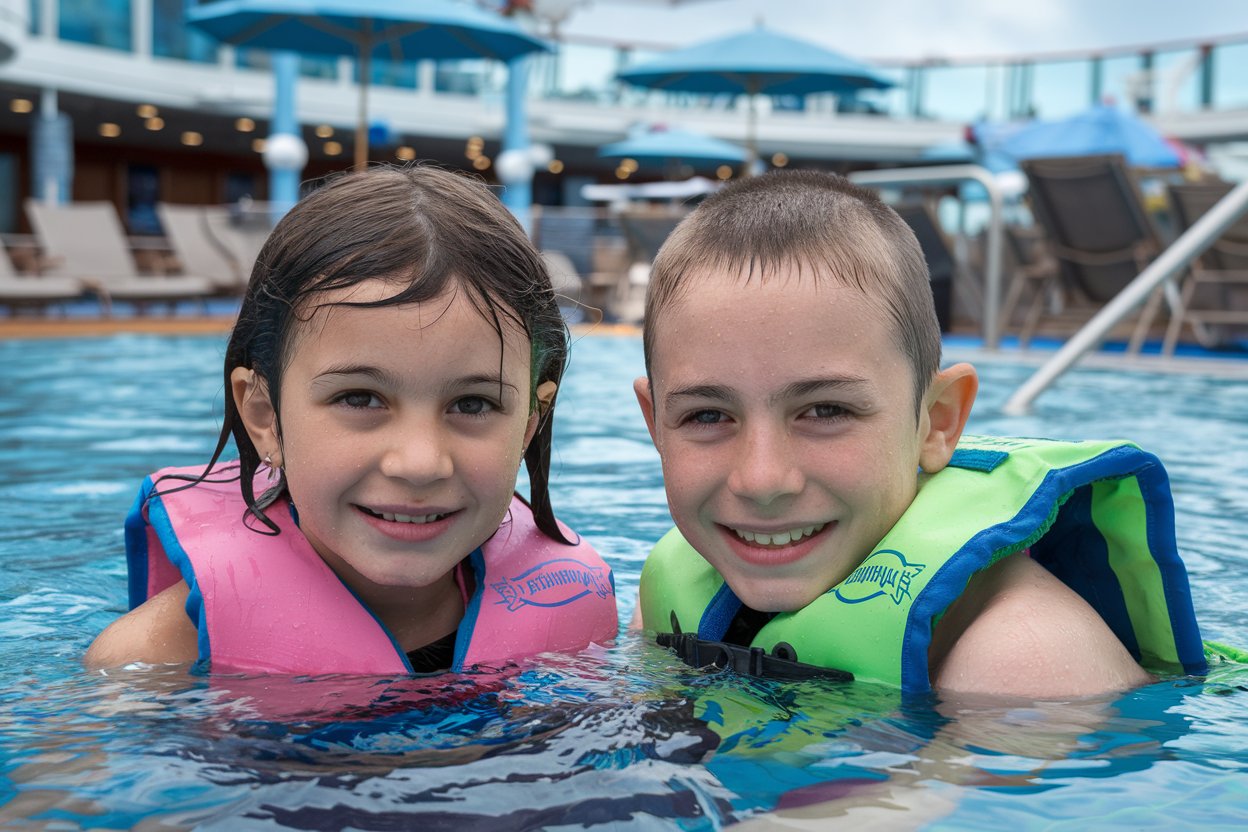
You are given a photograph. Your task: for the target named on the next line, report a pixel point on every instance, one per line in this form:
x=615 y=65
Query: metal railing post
x=953 y=175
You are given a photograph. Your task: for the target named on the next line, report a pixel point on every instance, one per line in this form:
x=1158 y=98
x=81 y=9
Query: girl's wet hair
x=425 y=230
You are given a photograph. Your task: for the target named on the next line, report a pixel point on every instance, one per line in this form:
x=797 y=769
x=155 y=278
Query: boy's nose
x=766 y=469
x=418 y=453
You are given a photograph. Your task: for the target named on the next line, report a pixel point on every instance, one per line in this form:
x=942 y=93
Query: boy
x=794 y=394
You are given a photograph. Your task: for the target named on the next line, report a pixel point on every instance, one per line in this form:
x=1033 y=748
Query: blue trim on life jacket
x=468 y=624
x=158 y=518
x=136 y=547
x=977 y=459
x=718 y=614
x=1159 y=506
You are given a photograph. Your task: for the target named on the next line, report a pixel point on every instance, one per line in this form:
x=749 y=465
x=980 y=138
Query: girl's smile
x=402 y=429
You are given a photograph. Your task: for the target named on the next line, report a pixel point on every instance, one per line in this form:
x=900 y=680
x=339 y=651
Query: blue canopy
x=662 y=143
x=399 y=30
x=1103 y=129
x=394 y=29
x=759 y=61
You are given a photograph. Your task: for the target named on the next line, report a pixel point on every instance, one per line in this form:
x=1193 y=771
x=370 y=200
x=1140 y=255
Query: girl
x=396 y=355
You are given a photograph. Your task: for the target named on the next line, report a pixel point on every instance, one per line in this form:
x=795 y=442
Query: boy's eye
x=472 y=406
x=706 y=417
x=358 y=399
x=827 y=411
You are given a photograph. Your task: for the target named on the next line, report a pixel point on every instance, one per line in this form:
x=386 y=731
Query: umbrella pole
x=361 y=124
x=751 y=130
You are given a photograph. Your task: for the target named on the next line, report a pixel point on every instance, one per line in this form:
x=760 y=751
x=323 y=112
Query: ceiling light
x=192 y=139
x=109 y=130
x=244 y=125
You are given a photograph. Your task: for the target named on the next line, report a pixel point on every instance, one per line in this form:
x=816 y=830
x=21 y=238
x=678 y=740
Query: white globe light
x=285 y=151
x=513 y=166
x=541 y=155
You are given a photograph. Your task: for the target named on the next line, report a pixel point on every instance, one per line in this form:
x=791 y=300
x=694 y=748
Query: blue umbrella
x=400 y=30
x=757 y=62
x=661 y=143
x=1102 y=129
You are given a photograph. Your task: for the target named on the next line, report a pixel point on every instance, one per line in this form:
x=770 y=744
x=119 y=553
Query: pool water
x=622 y=737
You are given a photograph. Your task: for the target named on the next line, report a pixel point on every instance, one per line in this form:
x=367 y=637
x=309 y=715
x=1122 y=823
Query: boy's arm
x=1025 y=633
x=156 y=632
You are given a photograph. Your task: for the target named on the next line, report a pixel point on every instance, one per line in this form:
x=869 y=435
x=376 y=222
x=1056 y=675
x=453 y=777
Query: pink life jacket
x=269 y=603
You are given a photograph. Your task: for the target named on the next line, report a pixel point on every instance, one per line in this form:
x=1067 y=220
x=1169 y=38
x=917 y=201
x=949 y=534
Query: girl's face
x=402 y=432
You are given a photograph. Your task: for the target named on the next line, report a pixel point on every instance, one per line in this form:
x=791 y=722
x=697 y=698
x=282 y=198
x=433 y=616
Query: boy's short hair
x=807 y=220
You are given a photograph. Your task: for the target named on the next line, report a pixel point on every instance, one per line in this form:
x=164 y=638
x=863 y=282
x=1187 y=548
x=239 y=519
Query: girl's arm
x=157 y=632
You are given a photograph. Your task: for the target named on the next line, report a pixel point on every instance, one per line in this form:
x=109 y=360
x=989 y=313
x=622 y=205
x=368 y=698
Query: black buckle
x=748 y=661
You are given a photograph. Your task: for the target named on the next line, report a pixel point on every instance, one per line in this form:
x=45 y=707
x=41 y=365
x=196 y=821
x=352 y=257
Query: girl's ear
x=947 y=405
x=255 y=408
x=545 y=398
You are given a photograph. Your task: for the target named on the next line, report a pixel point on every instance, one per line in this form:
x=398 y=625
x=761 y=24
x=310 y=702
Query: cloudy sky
x=916 y=28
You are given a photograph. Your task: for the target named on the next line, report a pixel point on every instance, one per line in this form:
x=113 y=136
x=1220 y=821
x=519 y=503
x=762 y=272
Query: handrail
x=1203 y=233
x=950 y=175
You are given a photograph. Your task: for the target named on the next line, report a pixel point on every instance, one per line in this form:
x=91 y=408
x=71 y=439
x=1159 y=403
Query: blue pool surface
x=622 y=737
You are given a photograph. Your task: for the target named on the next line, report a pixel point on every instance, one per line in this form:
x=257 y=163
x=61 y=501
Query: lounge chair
x=194 y=234
x=1214 y=295
x=1034 y=271
x=85 y=241
x=34 y=291
x=1097 y=228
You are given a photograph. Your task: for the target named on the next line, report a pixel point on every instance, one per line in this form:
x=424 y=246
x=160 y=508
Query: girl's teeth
x=780 y=538
x=408 y=518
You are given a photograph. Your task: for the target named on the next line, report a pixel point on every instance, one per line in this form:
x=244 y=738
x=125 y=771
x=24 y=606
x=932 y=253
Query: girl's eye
x=472 y=406
x=358 y=399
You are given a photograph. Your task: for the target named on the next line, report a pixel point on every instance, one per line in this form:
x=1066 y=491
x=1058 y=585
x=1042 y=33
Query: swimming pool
x=608 y=740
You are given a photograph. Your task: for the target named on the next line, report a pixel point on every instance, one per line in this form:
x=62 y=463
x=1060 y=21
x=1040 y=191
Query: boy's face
x=784 y=415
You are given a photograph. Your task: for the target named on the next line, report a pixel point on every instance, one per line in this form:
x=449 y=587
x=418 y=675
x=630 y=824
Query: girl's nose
x=418 y=453
x=766 y=468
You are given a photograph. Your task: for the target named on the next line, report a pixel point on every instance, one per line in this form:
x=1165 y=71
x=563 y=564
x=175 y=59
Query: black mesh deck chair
x=1093 y=215
x=1213 y=301
x=941 y=264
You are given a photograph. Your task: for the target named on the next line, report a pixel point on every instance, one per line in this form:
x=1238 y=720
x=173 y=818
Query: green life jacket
x=1098 y=515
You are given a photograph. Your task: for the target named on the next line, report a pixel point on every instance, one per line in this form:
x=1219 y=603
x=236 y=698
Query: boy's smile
x=784 y=414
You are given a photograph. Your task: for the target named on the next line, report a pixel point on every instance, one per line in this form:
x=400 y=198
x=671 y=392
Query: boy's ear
x=947 y=406
x=645 y=398
x=255 y=408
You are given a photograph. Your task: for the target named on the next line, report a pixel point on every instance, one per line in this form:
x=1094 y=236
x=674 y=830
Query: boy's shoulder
x=1018 y=630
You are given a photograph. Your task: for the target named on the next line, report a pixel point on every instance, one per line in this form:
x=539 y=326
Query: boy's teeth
x=779 y=538
x=408 y=518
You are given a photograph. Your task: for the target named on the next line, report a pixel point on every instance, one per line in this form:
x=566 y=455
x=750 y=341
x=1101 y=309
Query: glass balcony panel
x=1061 y=88
x=97 y=22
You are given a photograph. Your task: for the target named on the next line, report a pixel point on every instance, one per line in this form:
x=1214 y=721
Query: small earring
x=273 y=471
